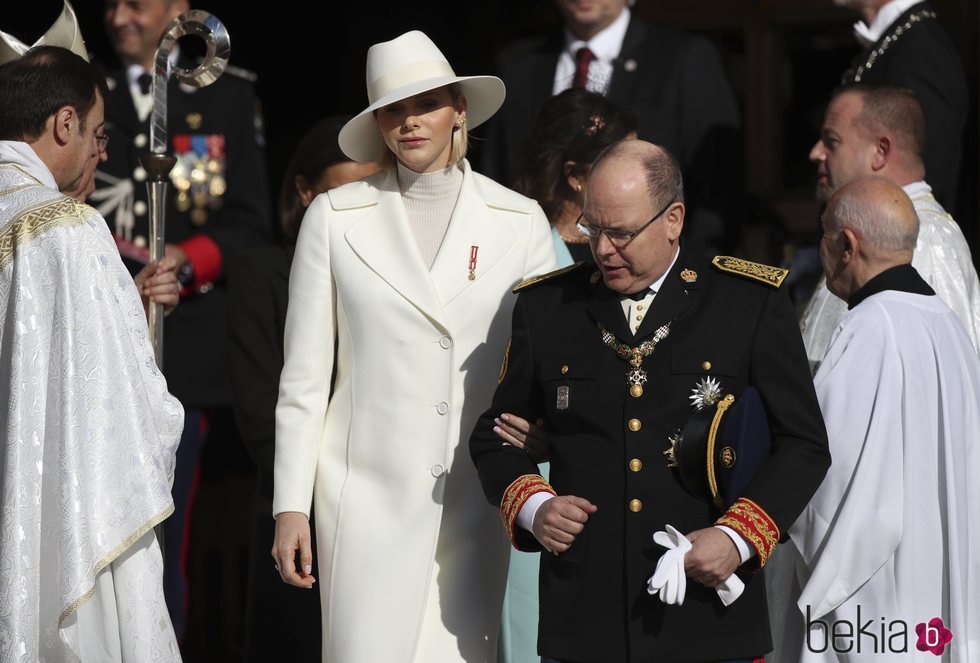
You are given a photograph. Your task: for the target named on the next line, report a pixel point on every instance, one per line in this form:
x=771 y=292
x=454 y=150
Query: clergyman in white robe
x=942 y=257
x=89 y=436
x=893 y=533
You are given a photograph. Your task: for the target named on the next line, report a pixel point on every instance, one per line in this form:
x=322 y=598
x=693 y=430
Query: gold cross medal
x=636 y=377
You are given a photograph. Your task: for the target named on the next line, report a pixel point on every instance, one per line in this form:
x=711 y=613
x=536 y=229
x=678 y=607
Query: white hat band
x=408 y=73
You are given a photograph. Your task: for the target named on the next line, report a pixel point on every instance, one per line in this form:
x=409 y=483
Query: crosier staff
x=158 y=163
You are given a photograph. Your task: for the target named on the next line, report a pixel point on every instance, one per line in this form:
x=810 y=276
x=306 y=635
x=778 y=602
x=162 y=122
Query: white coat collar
x=382 y=238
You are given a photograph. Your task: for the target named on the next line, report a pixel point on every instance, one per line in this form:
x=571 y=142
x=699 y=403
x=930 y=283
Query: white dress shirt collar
x=607 y=43
x=888 y=14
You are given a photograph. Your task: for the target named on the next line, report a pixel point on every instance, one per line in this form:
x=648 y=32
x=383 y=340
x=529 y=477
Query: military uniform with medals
x=612 y=402
x=218 y=203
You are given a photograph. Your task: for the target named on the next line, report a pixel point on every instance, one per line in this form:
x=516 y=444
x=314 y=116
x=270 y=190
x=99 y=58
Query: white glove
x=669 y=578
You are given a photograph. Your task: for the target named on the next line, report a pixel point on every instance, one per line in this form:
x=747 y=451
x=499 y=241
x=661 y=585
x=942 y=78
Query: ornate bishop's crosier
x=158 y=163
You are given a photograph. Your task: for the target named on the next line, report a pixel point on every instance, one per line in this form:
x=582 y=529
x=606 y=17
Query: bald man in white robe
x=889 y=543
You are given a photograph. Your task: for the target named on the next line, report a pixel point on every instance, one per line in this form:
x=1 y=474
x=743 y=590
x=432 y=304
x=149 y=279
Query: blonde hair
x=461 y=138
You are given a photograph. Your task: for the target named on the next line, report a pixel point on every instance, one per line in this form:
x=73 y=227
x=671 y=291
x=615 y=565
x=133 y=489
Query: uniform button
x=139 y=174
x=564 y=369
x=139 y=208
x=636 y=464
x=442 y=408
x=139 y=140
x=445 y=342
x=139 y=240
x=706 y=365
x=639 y=318
x=438 y=470
x=636 y=506
x=639 y=307
x=634 y=425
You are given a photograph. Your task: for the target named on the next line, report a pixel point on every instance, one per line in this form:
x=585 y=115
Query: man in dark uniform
x=693 y=332
x=218 y=204
x=672 y=82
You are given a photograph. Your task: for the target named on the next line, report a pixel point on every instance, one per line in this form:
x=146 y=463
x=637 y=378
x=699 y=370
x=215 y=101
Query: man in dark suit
x=218 y=204
x=615 y=362
x=904 y=44
x=672 y=82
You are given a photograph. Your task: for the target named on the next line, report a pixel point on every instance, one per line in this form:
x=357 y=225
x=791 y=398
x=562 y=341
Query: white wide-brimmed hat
x=401 y=68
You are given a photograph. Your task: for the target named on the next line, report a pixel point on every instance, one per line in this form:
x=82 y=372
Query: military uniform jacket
x=608 y=446
x=211 y=213
x=915 y=51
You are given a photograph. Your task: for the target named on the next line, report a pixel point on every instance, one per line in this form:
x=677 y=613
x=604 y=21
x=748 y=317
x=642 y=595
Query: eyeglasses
x=617 y=237
x=101 y=141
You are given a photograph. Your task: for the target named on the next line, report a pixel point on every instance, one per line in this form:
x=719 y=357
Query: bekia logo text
x=874 y=636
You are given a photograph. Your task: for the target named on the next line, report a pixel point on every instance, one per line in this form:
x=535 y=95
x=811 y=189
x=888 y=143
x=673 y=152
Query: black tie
x=639 y=296
x=144 y=81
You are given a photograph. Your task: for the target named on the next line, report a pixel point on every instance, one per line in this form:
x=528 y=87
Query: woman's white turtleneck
x=429 y=200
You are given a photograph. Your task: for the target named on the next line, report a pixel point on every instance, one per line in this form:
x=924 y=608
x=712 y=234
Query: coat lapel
x=625 y=76
x=383 y=240
x=674 y=297
x=474 y=228
x=606 y=308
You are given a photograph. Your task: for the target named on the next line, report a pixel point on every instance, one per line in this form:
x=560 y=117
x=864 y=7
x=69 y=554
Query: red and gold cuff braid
x=754 y=524
x=516 y=495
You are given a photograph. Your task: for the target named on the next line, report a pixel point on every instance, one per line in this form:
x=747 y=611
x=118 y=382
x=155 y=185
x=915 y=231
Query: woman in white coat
x=409 y=273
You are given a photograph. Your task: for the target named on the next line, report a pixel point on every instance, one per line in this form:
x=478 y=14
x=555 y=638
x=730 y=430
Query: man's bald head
x=657 y=166
x=869 y=226
x=634 y=191
x=878 y=210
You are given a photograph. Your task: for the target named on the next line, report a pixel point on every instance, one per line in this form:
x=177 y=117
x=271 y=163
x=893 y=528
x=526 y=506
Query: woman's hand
x=292 y=534
x=521 y=433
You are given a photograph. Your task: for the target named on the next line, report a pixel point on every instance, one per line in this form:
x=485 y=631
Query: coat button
x=636 y=464
x=706 y=365
x=140 y=140
x=139 y=208
x=139 y=174
x=636 y=506
x=564 y=369
x=635 y=425
x=442 y=408
x=445 y=342
x=438 y=470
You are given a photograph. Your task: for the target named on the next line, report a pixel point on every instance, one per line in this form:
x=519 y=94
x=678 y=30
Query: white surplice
x=89 y=435
x=942 y=257
x=895 y=526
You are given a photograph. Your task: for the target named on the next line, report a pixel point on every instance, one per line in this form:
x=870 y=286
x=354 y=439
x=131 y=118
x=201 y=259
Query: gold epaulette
x=753 y=270
x=545 y=277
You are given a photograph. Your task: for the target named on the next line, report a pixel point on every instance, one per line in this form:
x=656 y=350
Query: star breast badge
x=705 y=393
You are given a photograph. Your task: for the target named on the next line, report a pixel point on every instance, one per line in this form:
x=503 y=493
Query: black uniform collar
x=902 y=278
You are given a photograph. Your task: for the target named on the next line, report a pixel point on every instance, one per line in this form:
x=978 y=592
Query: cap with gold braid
x=64 y=33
